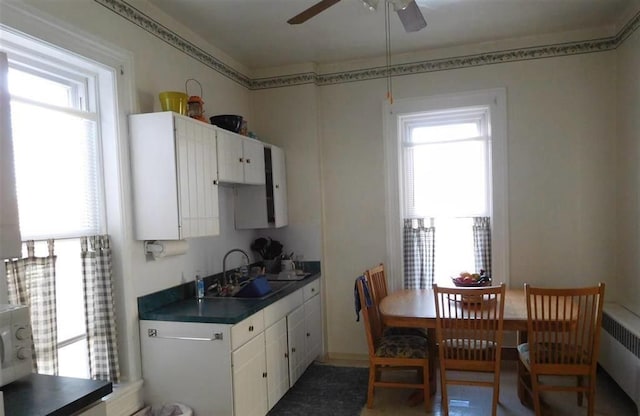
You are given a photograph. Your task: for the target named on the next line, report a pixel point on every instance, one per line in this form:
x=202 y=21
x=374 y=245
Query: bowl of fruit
x=466 y=279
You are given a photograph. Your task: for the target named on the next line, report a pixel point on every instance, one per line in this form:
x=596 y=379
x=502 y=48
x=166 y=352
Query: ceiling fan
x=408 y=12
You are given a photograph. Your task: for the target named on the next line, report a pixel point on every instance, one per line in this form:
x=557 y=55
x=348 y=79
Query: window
x=59 y=172
x=446 y=163
x=446 y=178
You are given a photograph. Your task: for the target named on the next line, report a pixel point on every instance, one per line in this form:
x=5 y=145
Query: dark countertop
x=178 y=304
x=44 y=395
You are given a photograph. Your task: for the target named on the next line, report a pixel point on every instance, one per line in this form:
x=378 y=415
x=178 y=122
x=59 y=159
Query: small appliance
x=15 y=343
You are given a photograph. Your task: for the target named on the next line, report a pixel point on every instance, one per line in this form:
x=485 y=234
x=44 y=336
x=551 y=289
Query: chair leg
x=372 y=379
x=579 y=382
x=591 y=396
x=443 y=393
x=496 y=393
x=426 y=387
x=536 y=394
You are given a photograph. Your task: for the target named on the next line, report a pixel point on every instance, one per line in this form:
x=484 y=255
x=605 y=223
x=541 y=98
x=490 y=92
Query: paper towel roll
x=167 y=248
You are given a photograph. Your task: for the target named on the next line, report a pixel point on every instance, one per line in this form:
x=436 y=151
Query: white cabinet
x=174 y=173
x=296 y=333
x=250 y=378
x=276 y=348
x=265 y=206
x=232 y=370
x=313 y=329
x=240 y=159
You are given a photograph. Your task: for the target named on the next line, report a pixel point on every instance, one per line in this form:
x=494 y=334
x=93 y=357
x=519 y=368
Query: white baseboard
x=125 y=400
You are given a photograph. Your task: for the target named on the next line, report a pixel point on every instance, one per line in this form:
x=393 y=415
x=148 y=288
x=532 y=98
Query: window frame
x=115 y=69
x=402 y=110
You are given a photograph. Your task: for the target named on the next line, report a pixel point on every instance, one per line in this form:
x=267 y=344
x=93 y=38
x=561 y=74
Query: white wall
x=562 y=157
x=561 y=192
x=627 y=287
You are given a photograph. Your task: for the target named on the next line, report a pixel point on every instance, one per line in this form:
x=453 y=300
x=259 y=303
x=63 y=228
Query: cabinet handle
x=251 y=328
x=308 y=334
x=293 y=349
x=286 y=355
x=313 y=289
x=240 y=160
x=215 y=181
x=153 y=333
x=277 y=186
x=248 y=160
x=264 y=375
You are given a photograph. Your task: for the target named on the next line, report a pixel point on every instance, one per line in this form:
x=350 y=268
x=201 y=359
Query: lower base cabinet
x=233 y=370
x=250 y=378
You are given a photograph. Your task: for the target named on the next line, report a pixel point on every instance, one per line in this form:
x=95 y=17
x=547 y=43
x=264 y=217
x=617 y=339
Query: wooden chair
x=563 y=340
x=391 y=352
x=469 y=335
x=378 y=284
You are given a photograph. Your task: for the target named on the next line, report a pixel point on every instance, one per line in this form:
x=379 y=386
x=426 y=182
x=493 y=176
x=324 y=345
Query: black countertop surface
x=178 y=304
x=44 y=395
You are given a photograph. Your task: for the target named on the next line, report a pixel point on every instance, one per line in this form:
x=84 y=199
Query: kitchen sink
x=276 y=287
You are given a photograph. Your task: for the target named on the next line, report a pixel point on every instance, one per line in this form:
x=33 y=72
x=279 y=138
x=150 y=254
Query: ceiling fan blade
x=320 y=6
x=412 y=18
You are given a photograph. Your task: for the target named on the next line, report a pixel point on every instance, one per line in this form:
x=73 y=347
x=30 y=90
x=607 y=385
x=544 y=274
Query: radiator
x=620 y=349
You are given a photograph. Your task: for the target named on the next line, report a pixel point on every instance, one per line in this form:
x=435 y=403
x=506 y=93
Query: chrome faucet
x=224 y=263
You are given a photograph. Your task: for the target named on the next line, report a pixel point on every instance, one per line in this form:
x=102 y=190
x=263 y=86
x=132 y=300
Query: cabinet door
x=296 y=333
x=253 y=154
x=277 y=361
x=197 y=187
x=250 y=379
x=313 y=328
x=230 y=157
x=279 y=187
x=153 y=171
x=173 y=163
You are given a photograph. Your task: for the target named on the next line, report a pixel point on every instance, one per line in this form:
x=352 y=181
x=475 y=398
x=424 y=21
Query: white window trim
x=26 y=20
x=496 y=100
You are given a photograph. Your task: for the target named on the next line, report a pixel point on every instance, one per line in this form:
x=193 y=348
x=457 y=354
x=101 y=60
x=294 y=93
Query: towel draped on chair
x=356 y=298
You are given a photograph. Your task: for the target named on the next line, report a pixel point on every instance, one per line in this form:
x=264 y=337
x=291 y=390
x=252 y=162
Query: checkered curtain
x=419 y=253
x=482 y=243
x=31 y=281
x=100 y=317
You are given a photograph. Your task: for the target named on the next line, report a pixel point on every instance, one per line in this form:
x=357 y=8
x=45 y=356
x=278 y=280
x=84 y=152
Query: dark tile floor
x=476 y=401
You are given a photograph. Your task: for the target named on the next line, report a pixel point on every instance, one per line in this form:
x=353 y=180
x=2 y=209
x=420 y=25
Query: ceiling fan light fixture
x=371 y=4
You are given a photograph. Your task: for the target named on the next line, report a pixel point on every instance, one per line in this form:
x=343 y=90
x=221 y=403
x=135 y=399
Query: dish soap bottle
x=199 y=286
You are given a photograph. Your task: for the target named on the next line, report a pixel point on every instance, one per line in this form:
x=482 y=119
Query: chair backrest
x=378 y=282
x=564 y=326
x=372 y=320
x=469 y=324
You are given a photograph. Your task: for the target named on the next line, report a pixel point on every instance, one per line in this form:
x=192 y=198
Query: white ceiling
x=256 y=32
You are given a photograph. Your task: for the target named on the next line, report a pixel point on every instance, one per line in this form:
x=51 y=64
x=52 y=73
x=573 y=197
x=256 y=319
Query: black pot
x=227 y=121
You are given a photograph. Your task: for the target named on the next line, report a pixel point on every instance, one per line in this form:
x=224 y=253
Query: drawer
x=311 y=290
x=246 y=330
x=278 y=310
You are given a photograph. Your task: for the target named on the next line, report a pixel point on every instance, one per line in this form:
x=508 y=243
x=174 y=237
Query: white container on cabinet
x=174 y=172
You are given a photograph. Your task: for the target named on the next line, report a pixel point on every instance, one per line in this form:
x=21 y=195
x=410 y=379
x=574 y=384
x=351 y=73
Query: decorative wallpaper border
x=122 y=8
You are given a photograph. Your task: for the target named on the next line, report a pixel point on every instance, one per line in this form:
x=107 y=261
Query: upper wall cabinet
x=240 y=159
x=265 y=206
x=174 y=172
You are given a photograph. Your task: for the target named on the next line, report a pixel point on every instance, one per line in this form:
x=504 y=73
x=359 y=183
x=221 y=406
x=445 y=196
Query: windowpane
x=72 y=360
x=453 y=248
x=447 y=132
x=26 y=85
x=449 y=179
x=56 y=173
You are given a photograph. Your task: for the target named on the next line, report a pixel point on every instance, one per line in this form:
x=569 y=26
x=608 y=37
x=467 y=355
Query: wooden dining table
x=415 y=308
